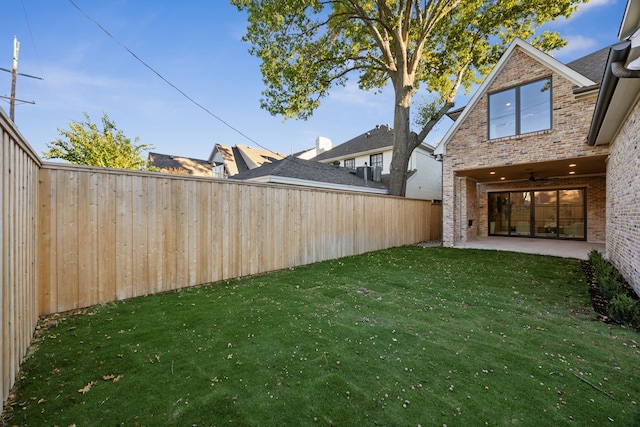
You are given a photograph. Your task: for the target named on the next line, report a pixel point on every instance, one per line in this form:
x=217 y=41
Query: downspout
x=619 y=70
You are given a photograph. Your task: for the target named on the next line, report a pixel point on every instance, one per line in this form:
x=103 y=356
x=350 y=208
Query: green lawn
x=402 y=337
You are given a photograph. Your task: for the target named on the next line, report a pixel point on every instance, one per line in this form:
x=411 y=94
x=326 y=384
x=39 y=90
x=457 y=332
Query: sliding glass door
x=556 y=214
x=546 y=213
x=571 y=214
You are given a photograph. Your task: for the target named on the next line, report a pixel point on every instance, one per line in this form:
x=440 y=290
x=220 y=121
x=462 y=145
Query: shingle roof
x=241 y=157
x=257 y=156
x=179 y=164
x=309 y=170
x=592 y=65
x=377 y=138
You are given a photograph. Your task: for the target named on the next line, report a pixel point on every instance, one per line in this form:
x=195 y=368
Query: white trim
x=556 y=66
x=272 y=179
x=354 y=154
x=425 y=147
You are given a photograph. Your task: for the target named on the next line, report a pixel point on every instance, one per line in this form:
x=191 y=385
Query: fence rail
x=72 y=237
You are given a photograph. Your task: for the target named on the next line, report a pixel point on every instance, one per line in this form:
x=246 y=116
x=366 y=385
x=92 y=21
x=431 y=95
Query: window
x=218 y=172
x=350 y=163
x=559 y=214
x=375 y=160
x=521 y=109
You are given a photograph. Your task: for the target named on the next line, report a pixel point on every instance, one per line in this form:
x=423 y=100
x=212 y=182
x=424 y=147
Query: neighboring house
x=308 y=173
x=374 y=149
x=233 y=160
x=181 y=165
x=550 y=150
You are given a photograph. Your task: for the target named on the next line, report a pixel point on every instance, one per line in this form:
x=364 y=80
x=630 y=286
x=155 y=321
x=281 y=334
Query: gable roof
x=180 y=165
x=241 y=157
x=293 y=170
x=556 y=66
x=255 y=157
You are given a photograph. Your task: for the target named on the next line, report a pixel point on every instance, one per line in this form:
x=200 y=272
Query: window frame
x=518 y=106
x=380 y=163
x=350 y=163
x=504 y=216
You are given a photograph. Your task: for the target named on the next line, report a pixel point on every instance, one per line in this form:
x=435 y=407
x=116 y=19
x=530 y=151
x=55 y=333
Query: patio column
x=467 y=218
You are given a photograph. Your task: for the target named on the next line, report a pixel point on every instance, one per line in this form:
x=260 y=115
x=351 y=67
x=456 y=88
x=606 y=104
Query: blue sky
x=197 y=46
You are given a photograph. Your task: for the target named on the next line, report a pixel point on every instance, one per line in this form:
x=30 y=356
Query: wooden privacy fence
x=108 y=235
x=18 y=250
x=72 y=236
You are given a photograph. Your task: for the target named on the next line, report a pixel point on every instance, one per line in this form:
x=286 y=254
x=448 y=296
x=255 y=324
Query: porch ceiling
x=565 y=168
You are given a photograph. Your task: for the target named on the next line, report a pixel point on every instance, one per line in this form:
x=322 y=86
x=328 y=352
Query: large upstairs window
x=520 y=109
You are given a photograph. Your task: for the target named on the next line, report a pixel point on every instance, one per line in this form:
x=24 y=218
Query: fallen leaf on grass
x=112 y=377
x=85 y=389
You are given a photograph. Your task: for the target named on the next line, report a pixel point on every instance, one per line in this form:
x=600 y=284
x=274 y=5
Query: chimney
x=323 y=144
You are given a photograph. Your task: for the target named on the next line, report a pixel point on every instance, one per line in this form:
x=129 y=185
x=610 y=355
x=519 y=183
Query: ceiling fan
x=532 y=178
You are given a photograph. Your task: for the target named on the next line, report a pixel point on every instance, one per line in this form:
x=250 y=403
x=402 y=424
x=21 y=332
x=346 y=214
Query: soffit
x=592 y=165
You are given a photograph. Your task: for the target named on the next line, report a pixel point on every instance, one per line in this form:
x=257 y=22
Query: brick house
x=521 y=159
x=616 y=125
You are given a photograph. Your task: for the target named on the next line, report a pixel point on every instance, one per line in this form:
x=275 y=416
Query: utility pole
x=14 y=77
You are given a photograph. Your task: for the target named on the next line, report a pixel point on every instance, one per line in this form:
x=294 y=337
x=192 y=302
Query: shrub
x=625 y=310
x=623 y=307
x=610 y=286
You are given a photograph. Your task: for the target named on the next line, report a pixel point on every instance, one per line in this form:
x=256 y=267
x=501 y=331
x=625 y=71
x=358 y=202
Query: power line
x=33 y=41
x=162 y=77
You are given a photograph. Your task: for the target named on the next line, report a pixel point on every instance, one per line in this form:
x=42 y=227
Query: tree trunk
x=403 y=139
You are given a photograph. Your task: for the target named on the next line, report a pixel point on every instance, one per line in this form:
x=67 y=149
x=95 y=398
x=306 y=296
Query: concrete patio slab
x=559 y=248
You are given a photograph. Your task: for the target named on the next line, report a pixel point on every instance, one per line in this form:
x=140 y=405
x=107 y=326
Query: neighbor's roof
x=255 y=157
x=180 y=164
x=306 y=172
x=241 y=157
x=378 y=138
x=578 y=79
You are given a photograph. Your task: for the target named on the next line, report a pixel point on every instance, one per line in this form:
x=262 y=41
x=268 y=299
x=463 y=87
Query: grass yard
x=402 y=337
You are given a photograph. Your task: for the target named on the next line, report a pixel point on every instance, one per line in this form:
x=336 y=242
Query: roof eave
x=274 y=179
x=618 y=52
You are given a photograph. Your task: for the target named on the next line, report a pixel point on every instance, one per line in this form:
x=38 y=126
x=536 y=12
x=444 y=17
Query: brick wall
x=623 y=204
x=470 y=147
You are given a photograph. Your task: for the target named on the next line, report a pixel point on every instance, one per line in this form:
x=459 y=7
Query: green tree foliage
x=85 y=144
x=309 y=46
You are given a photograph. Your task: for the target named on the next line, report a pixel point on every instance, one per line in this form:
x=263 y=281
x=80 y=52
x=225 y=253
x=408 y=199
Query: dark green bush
x=621 y=304
x=625 y=310
x=610 y=286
